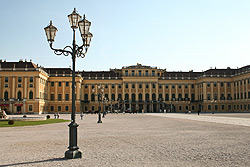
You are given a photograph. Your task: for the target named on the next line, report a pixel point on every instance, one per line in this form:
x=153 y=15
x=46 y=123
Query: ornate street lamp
x=74 y=51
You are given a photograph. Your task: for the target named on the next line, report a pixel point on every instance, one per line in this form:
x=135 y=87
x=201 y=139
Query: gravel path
x=127 y=140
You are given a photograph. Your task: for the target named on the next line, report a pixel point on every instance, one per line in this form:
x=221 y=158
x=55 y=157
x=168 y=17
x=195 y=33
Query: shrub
x=11 y=122
x=48 y=116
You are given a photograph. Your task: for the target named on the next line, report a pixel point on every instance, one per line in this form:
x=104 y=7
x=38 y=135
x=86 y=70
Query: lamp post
x=74 y=51
x=100 y=92
x=213 y=108
x=104 y=106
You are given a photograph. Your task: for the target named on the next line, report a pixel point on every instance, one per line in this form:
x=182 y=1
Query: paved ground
x=133 y=140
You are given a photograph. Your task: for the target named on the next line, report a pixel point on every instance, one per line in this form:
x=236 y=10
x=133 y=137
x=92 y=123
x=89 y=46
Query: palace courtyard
x=169 y=139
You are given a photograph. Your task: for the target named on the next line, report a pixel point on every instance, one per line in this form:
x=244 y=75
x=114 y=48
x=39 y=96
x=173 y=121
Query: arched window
x=30 y=95
x=140 y=97
x=113 y=97
x=119 y=96
x=86 y=97
x=153 y=97
x=160 y=97
x=173 y=96
x=19 y=95
x=167 y=97
x=133 y=97
x=92 y=97
x=107 y=96
x=6 y=95
x=147 y=97
x=126 y=97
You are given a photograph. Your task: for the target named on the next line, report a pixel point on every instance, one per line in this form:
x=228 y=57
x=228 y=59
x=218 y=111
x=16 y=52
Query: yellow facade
x=28 y=88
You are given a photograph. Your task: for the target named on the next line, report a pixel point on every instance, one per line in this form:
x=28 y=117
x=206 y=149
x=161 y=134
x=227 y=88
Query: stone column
x=37 y=89
x=13 y=88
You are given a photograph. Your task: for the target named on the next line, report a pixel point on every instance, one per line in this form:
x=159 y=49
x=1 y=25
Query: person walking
x=199 y=112
x=81 y=115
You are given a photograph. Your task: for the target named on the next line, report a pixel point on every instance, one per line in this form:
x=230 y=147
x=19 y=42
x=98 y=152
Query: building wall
x=135 y=88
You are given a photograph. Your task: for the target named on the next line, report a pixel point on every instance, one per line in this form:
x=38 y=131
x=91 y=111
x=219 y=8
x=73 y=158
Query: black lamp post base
x=99 y=121
x=72 y=154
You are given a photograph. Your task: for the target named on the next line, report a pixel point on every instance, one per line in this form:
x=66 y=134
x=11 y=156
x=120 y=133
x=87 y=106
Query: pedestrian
x=58 y=115
x=81 y=115
x=54 y=115
x=199 y=112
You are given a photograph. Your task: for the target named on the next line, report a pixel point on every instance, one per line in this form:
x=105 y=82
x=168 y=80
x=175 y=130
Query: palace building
x=26 y=87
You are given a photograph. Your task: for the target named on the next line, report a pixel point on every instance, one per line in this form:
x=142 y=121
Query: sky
x=176 y=35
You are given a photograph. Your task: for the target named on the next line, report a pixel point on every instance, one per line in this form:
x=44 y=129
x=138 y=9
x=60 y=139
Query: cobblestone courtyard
x=134 y=140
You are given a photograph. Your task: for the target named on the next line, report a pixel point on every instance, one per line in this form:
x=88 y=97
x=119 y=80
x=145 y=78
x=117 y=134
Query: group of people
x=56 y=115
x=3 y=114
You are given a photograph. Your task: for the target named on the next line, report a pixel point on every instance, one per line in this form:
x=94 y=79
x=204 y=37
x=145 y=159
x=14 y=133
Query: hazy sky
x=179 y=35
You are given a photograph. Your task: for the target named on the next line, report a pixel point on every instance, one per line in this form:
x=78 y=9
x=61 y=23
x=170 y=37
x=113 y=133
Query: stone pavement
x=125 y=140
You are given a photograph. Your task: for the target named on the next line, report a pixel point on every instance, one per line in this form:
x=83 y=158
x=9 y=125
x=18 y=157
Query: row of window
x=59 y=84
x=59 y=108
x=133 y=73
x=19 y=79
x=19 y=95
x=140 y=86
x=133 y=96
x=18 y=85
x=59 y=97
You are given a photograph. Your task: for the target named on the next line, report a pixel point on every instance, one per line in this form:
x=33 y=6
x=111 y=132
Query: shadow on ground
x=35 y=162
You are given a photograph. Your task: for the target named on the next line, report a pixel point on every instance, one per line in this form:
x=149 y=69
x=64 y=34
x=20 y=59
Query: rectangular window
x=119 y=86
x=31 y=85
x=160 y=86
x=133 y=85
x=192 y=85
x=208 y=97
x=126 y=72
x=133 y=72
x=66 y=108
x=179 y=86
x=59 y=97
x=166 y=86
x=229 y=107
x=208 y=84
x=126 y=86
x=52 y=97
x=215 y=96
x=140 y=85
x=153 y=86
x=6 y=79
x=52 y=84
x=31 y=79
x=215 y=84
x=59 y=108
x=173 y=86
x=228 y=84
x=67 y=97
x=59 y=84
x=153 y=73
x=93 y=86
x=6 y=85
x=221 y=84
x=67 y=84
x=19 y=85
x=106 y=86
x=30 y=107
x=51 y=108
x=209 y=107
x=146 y=72
x=19 y=79
x=139 y=72
x=113 y=86
x=147 y=86
x=186 y=86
